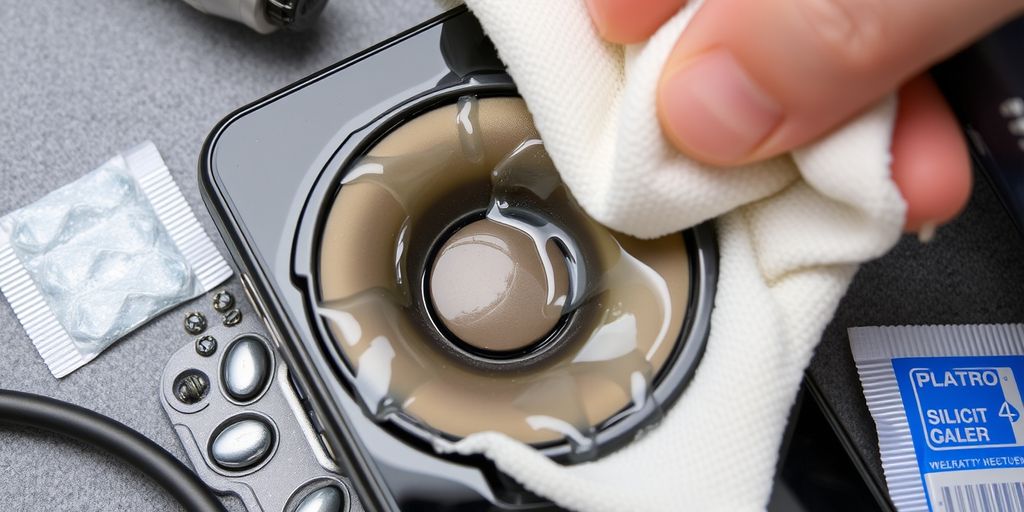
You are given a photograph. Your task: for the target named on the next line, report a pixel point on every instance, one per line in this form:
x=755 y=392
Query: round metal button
x=223 y=301
x=191 y=386
x=195 y=323
x=324 y=499
x=232 y=318
x=242 y=445
x=246 y=368
x=206 y=345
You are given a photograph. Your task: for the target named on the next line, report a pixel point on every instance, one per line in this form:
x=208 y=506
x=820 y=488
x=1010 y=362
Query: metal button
x=242 y=444
x=324 y=499
x=195 y=323
x=246 y=368
x=206 y=345
x=232 y=318
x=223 y=301
x=190 y=387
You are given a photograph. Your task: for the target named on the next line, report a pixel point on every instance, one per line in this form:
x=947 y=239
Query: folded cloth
x=791 y=233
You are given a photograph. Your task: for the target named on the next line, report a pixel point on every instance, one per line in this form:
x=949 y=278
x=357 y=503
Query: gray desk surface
x=80 y=80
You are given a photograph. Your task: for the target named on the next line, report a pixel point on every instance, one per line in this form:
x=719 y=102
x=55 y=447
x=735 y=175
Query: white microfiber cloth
x=792 y=232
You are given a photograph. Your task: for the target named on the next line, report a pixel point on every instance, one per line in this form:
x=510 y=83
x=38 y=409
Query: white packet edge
x=873 y=350
x=208 y=266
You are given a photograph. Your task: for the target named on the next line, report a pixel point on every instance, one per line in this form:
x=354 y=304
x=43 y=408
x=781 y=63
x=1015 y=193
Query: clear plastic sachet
x=97 y=258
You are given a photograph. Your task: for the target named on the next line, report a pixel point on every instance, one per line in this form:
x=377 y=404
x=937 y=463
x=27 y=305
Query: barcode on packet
x=983 y=497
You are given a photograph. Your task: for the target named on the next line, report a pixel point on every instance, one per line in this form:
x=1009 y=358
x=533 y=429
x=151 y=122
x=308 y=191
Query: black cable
x=17 y=408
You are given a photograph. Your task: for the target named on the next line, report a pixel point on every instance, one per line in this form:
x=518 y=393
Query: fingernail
x=713 y=108
x=926 y=232
x=597 y=15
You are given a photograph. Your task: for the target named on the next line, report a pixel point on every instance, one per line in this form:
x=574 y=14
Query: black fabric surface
x=972 y=272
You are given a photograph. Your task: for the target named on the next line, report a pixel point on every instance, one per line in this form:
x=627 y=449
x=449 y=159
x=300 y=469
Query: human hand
x=751 y=79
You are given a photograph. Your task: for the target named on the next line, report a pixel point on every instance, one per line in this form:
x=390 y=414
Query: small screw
x=191 y=389
x=195 y=323
x=206 y=346
x=223 y=301
x=232 y=318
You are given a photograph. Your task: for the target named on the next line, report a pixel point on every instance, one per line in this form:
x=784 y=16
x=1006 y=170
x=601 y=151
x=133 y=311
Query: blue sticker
x=964 y=414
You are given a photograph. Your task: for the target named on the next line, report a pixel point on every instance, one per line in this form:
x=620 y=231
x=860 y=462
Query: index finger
x=631 y=21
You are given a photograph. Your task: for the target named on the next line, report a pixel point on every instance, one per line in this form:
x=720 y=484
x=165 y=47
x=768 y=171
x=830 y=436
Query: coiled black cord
x=17 y=408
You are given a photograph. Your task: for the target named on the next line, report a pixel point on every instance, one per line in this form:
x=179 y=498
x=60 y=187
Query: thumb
x=750 y=79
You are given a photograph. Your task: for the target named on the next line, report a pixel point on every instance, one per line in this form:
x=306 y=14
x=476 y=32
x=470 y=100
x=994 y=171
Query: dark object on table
x=985 y=86
x=274 y=227
x=17 y=408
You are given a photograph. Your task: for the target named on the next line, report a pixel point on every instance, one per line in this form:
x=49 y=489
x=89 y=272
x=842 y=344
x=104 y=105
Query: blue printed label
x=964 y=413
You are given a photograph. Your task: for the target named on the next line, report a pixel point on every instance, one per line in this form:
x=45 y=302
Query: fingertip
x=931 y=165
x=630 y=21
x=712 y=109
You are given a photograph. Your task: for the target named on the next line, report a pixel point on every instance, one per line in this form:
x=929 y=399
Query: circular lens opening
x=406 y=291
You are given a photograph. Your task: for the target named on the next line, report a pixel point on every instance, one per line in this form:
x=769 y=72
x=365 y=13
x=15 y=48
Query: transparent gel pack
x=97 y=258
x=946 y=401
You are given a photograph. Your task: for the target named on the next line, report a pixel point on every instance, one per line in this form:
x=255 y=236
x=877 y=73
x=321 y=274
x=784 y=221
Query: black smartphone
x=272 y=172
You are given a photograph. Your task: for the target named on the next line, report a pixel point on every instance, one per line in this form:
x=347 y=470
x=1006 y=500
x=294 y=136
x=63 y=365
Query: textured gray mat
x=81 y=79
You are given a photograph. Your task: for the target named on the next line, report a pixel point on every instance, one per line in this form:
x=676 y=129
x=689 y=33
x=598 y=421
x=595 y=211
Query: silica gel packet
x=947 y=404
x=97 y=258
